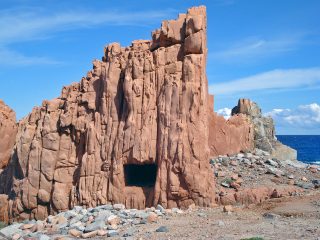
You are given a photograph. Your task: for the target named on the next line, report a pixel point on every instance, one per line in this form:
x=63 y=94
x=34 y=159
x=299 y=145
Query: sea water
x=308 y=146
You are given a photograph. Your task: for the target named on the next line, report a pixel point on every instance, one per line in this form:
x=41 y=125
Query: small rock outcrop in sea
x=264 y=131
x=133 y=131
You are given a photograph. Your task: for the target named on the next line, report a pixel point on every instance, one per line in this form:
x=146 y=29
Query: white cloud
x=27 y=24
x=304 y=116
x=254 y=48
x=20 y=25
x=279 y=79
x=225 y=112
x=8 y=57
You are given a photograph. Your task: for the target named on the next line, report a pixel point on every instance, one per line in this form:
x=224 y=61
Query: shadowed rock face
x=8 y=131
x=141 y=105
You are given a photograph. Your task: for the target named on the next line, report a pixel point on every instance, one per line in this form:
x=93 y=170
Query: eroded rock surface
x=143 y=104
x=229 y=136
x=8 y=131
x=264 y=131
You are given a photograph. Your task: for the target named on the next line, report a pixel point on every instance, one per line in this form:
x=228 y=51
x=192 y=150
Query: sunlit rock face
x=8 y=131
x=141 y=110
x=229 y=136
x=264 y=131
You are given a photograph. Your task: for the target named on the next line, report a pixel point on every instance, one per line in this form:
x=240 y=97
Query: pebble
x=274 y=171
x=119 y=207
x=27 y=226
x=225 y=184
x=113 y=233
x=102 y=233
x=272 y=163
x=304 y=185
x=290 y=176
x=221 y=223
x=90 y=234
x=153 y=217
x=44 y=237
x=161 y=209
x=228 y=208
x=74 y=233
x=94 y=226
x=162 y=229
x=234 y=163
x=129 y=232
x=16 y=236
x=113 y=220
x=316 y=183
x=203 y=215
x=221 y=174
x=271 y=216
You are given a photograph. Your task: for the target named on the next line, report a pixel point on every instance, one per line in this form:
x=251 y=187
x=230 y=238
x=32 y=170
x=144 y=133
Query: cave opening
x=140 y=175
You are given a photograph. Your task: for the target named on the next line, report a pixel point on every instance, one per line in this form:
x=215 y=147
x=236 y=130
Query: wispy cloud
x=254 y=48
x=29 y=24
x=304 y=116
x=279 y=79
x=20 y=25
x=12 y=58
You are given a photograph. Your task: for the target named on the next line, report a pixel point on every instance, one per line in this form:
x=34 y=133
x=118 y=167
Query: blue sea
x=308 y=146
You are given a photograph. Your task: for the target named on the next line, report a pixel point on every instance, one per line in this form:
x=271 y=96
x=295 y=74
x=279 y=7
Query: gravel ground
x=287 y=218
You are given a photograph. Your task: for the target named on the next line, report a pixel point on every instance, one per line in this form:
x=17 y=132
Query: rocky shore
x=245 y=183
x=102 y=221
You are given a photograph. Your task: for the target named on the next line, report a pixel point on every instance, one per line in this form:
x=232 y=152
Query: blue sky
x=267 y=50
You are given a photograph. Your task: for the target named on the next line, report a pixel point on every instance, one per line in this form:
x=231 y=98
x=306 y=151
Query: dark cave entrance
x=140 y=175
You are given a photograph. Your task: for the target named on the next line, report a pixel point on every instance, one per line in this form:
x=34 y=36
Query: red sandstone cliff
x=141 y=106
x=229 y=136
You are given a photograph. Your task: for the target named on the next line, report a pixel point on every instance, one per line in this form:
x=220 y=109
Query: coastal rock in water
x=8 y=131
x=133 y=131
x=264 y=131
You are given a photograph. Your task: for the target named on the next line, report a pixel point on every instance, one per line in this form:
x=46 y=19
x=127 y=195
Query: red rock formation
x=4 y=207
x=229 y=136
x=8 y=131
x=264 y=131
x=143 y=105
